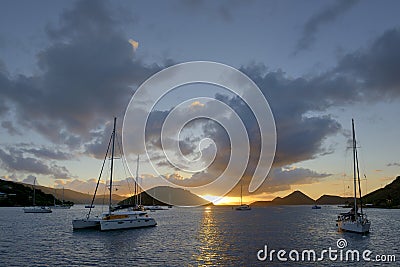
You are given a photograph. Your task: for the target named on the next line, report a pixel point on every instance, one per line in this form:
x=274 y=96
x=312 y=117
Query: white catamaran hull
x=86 y=223
x=116 y=224
x=354 y=226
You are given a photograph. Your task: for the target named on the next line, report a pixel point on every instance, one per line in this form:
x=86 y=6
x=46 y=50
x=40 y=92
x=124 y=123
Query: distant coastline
x=387 y=197
x=19 y=194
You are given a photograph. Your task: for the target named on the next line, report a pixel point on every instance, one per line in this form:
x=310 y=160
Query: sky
x=68 y=67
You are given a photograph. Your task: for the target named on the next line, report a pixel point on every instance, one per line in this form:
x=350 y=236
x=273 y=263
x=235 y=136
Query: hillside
x=333 y=200
x=165 y=195
x=20 y=194
x=80 y=198
x=387 y=197
x=17 y=194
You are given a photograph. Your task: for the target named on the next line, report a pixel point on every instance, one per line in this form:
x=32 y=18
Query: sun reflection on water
x=210 y=240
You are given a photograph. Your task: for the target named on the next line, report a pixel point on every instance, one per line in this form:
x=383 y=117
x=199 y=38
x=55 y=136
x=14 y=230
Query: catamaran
x=113 y=220
x=354 y=221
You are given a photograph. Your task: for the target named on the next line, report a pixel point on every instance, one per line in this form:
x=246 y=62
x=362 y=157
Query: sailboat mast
x=137 y=183
x=34 y=190
x=241 y=192
x=354 y=168
x=112 y=164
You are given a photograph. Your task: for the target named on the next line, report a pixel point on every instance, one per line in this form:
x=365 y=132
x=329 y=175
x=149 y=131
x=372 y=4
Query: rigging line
x=124 y=163
x=98 y=180
x=359 y=183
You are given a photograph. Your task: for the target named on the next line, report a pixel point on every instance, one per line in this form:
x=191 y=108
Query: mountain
x=387 y=197
x=295 y=198
x=165 y=195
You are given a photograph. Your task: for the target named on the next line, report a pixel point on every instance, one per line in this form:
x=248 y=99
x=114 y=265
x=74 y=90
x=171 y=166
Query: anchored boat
x=113 y=220
x=354 y=221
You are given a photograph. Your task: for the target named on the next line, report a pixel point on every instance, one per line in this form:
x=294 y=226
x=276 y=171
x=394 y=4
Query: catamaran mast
x=34 y=190
x=241 y=192
x=354 y=168
x=137 y=183
x=112 y=163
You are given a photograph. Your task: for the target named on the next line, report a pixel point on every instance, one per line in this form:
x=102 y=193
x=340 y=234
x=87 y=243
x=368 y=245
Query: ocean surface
x=202 y=236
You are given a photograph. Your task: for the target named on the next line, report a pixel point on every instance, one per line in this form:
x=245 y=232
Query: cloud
x=13 y=177
x=134 y=44
x=374 y=70
x=323 y=17
x=48 y=153
x=299 y=106
x=196 y=104
x=9 y=126
x=392 y=164
x=14 y=160
x=30 y=179
x=87 y=74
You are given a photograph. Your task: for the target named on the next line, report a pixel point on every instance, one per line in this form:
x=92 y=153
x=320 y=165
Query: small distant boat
x=89 y=206
x=316 y=207
x=113 y=220
x=354 y=221
x=242 y=206
x=62 y=206
x=37 y=209
x=34 y=208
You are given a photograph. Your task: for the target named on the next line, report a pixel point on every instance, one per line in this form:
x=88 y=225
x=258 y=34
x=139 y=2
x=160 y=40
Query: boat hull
x=86 y=224
x=243 y=207
x=354 y=226
x=37 y=210
x=126 y=223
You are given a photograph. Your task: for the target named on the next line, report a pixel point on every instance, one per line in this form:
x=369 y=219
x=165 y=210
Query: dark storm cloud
x=369 y=74
x=376 y=68
x=9 y=126
x=87 y=75
x=14 y=160
x=316 y=21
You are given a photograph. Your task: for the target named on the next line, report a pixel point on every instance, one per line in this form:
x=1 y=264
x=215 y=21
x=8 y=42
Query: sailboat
x=154 y=207
x=34 y=208
x=354 y=221
x=113 y=220
x=242 y=206
x=62 y=206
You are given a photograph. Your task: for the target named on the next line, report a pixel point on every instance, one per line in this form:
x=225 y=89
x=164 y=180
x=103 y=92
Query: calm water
x=189 y=237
